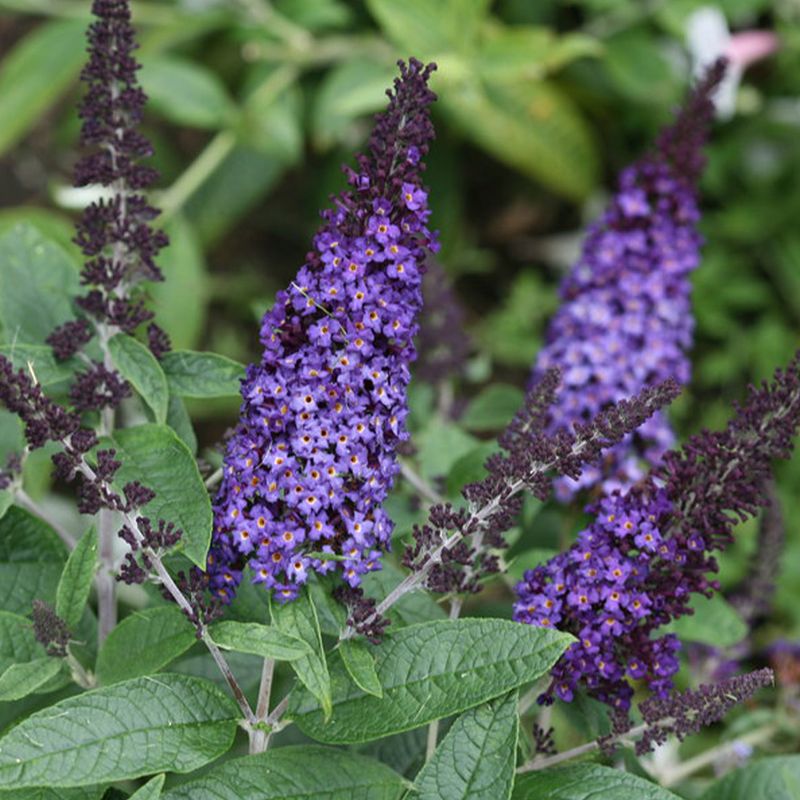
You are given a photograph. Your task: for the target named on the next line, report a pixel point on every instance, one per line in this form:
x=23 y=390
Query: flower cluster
x=648 y=551
x=115 y=232
x=684 y=713
x=313 y=456
x=626 y=321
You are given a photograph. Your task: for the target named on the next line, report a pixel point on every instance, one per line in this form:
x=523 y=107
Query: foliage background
x=254 y=106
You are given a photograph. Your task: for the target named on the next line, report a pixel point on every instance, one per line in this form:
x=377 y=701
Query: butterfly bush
x=625 y=321
x=115 y=232
x=313 y=455
x=648 y=551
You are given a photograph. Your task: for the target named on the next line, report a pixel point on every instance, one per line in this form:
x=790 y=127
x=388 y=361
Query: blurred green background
x=254 y=106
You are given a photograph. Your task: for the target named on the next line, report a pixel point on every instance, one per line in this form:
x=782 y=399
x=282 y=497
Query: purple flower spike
x=626 y=319
x=313 y=456
x=637 y=566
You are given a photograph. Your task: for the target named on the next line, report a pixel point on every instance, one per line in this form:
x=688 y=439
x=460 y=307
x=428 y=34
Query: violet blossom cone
x=314 y=454
x=625 y=320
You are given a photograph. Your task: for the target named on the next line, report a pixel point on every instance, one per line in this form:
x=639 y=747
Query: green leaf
x=347 y=92
x=360 y=663
x=426 y=28
x=179 y=420
x=155 y=456
x=20 y=680
x=261 y=640
x=76 y=580
x=35 y=73
x=186 y=93
x=203 y=375
x=431 y=671
x=493 y=408
x=476 y=758
x=147 y=725
x=17 y=642
x=774 y=778
x=138 y=365
x=295 y=773
x=43 y=793
x=31 y=560
x=715 y=621
x=532 y=126
x=38 y=360
x=586 y=782
x=151 y=790
x=143 y=643
x=6 y=500
x=37 y=280
x=440 y=446
x=299 y=618
x=180 y=302
x=469 y=468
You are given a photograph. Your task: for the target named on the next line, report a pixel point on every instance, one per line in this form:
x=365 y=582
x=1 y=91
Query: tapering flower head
x=114 y=232
x=626 y=320
x=636 y=567
x=313 y=456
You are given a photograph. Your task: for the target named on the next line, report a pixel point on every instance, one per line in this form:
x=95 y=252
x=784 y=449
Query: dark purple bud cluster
x=148 y=542
x=626 y=320
x=49 y=629
x=45 y=420
x=528 y=463
x=443 y=344
x=114 y=233
x=314 y=454
x=637 y=566
x=205 y=605
x=98 y=387
x=362 y=616
x=683 y=713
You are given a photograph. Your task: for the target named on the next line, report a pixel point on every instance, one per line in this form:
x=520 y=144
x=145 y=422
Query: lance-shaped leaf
x=147 y=725
x=20 y=680
x=203 y=375
x=476 y=758
x=155 y=456
x=299 y=618
x=261 y=640
x=360 y=663
x=76 y=580
x=430 y=671
x=144 y=643
x=139 y=366
x=586 y=782
x=295 y=773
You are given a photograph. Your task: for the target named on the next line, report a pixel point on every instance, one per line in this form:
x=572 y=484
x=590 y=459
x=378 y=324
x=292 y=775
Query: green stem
x=197 y=173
